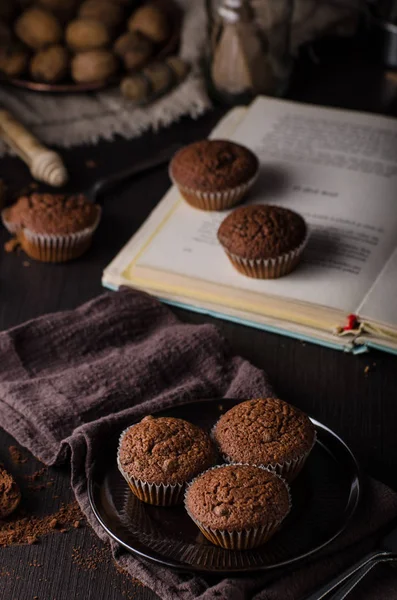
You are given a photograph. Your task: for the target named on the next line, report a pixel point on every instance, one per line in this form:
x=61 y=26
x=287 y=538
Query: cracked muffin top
x=237 y=497
x=262 y=231
x=213 y=165
x=165 y=450
x=264 y=431
x=52 y=214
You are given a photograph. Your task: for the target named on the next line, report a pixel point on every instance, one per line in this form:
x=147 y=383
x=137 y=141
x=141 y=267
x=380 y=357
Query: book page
x=380 y=305
x=114 y=272
x=338 y=169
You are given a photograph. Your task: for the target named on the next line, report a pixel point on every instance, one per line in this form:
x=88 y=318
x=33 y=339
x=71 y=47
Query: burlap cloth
x=74 y=119
x=70 y=380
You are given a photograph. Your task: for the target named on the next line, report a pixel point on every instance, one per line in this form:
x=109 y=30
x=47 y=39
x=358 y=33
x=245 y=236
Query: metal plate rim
x=351 y=506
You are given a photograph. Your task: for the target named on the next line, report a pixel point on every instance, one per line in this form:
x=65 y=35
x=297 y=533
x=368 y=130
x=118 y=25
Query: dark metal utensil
x=388 y=548
x=353 y=581
x=96 y=192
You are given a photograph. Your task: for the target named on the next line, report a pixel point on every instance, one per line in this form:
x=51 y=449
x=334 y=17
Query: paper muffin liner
x=151 y=493
x=51 y=247
x=287 y=470
x=11 y=227
x=268 y=268
x=163 y=494
x=214 y=200
x=244 y=539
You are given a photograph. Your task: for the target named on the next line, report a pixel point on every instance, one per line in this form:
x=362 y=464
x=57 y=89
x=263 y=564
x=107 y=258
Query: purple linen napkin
x=70 y=380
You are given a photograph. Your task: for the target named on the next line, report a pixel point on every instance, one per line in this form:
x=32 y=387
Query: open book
x=339 y=170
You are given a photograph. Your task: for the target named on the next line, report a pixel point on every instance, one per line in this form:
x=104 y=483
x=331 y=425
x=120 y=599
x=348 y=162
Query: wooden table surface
x=360 y=404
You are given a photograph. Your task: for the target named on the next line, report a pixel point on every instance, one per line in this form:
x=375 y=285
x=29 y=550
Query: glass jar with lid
x=249 y=48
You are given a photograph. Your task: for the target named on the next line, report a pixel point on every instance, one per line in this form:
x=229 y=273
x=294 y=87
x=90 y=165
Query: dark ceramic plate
x=324 y=499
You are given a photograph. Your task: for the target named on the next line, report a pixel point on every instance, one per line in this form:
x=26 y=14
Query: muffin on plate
x=238 y=506
x=52 y=227
x=263 y=241
x=266 y=432
x=158 y=456
x=214 y=174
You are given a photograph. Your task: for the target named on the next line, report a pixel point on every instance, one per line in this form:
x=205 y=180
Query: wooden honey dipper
x=44 y=164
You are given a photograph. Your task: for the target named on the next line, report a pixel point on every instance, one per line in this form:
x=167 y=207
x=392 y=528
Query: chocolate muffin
x=214 y=174
x=266 y=432
x=238 y=506
x=10 y=495
x=52 y=227
x=159 y=455
x=263 y=241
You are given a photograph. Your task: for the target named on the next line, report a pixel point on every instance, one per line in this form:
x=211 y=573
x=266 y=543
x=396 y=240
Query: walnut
x=86 y=34
x=150 y=21
x=136 y=88
x=104 y=11
x=179 y=67
x=38 y=28
x=50 y=65
x=93 y=66
x=134 y=49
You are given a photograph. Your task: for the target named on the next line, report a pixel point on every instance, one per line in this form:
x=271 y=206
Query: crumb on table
x=11 y=245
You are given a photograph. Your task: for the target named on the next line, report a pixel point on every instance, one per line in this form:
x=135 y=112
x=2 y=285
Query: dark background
x=359 y=403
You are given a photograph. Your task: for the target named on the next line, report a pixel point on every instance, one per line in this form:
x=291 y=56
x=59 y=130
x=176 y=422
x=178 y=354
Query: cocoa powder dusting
x=24 y=529
x=10 y=495
x=34 y=563
x=36 y=475
x=42 y=485
x=17 y=456
x=99 y=556
x=12 y=245
x=28 y=530
x=92 y=559
x=127 y=576
x=11 y=574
